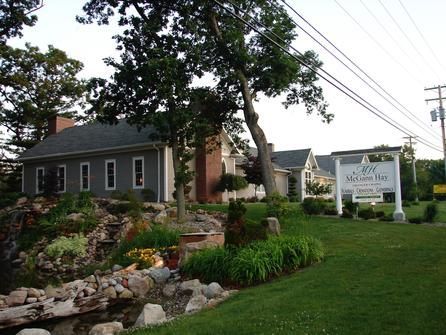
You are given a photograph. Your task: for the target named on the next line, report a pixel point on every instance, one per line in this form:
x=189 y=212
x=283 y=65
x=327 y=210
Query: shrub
x=292 y=191
x=236 y=212
x=430 y=212
x=67 y=246
x=313 y=206
x=379 y=214
x=116 y=194
x=239 y=235
x=366 y=213
x=276 y=205
x=330 y=211
x=387 y=218
x=231 y=182
x=406 y=203
x=8 y=198
x=148 y=194
x=416 y=220
x=209 y=265
x=346 y=214
x=351 y=206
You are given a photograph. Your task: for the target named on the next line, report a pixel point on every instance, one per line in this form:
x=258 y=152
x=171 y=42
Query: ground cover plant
x=376 y=278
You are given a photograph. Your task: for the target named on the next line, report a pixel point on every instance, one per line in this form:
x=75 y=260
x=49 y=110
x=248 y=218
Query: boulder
x=151 y=314
x=273 y=225
x=172 y=212
x=34 y=293
x=31 y=300
x=139 y=285
x=119 y=288
x=159 y=275
x=76 y=217
x=156 y=206
x=116 y=268
x=169 y=290
x=196 y=304
x=108 y=328
x=161 y=217
x=21 y=201
x=110 y=292
x=194 y=247
x=89 y=291
x=33 y=331
x=16 y=298
x=126 y=294
x=90 y=279
x=212 y=290
x=191 y=287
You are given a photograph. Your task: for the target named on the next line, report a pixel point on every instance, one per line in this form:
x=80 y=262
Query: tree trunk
x=251 y=118
x=179 y=186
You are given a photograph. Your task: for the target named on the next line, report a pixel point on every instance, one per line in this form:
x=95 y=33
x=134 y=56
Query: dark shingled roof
x=90 y=137
x=361 y=152
x=327 y=163
x=291 y=158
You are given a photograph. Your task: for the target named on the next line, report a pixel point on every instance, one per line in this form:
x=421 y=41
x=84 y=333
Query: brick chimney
x=59 y=123
x=208 y=171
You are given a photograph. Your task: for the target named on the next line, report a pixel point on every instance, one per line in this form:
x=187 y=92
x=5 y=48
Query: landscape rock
x=34 y=293
x=126 y=294
x=16 y=298
x=89 y=291
x=161 y=217
x=33 y=331
x=193 y=247
x=21 y=201
x=76 y=217
x=156 y=206
x=151 y=314
x=31 y=300
x=119 y=288
x=212 y=290
x=191 y=287
x=159 y=275
x=139 y=285
x=116 y=268
x=273 y=225
x=90 y=279
x=110 y=292
x=169 y=290
x=108 y=328
x=196 y=304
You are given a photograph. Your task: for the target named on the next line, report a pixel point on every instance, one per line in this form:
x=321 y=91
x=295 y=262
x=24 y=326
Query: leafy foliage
x=230 y=182
x=253 y=170
x=276 y=205
x=255 y=262
x=313 y=206
x=366 y=213
x=292 y=190
x=157 y=237
x=317 y=189
x=34 y=87
x=430 y=212
x=16 y=14
x=67 y=246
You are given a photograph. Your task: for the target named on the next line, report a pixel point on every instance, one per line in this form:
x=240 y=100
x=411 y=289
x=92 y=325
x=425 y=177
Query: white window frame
x=223 y=162
x=40 y=168
x=64 y=166
x=107 y=188
x=141 y=158
x=81 y=187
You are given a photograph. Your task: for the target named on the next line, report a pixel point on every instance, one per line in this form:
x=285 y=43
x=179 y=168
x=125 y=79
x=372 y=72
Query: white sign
x=366 y=179
x=368 y=198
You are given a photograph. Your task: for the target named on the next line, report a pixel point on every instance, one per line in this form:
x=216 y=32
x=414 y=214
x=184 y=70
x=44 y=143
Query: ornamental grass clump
x=255 y=262
x=210 y=265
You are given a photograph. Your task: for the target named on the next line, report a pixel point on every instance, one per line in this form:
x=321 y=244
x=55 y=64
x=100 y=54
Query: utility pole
x=414 y=170
x=440 y=114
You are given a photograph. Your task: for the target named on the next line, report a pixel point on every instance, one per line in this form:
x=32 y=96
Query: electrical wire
x=364 y=104
x=408 y=39
x=422 y=36
x=420 y=123
x=415 y=78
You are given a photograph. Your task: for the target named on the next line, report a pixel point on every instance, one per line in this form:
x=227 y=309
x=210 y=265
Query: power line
x=408 y=38
x=427 y=129
x=377 y=113
x=422 y=35
x=378 y=43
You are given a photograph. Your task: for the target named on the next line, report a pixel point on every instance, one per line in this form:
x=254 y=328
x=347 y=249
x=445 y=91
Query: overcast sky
x=383 y=41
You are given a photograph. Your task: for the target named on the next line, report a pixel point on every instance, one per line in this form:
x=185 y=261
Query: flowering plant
x=149 y=256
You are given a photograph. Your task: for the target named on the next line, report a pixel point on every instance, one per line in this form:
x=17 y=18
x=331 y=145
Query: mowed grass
x=377 y=278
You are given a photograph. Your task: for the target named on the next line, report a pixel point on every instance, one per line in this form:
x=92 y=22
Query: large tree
x=152 y=85
x=14 y=14
x=242 y=61
x=35 y=86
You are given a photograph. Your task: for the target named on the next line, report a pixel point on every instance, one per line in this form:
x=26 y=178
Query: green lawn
x=413 y=210
x=377 y=278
